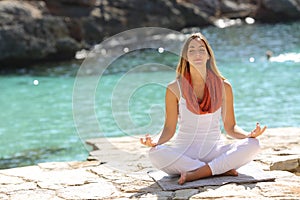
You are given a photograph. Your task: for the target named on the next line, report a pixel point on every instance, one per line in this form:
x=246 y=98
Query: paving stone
x=4 y=196
x=185 y=194
x=100 y=190
x=228 y=191
x=76 y=165
x=5 y=180
x=58 y=179
x=38 y=194
x=27 y=173
x=7 y=189
x=153 y=196
x=54 y=166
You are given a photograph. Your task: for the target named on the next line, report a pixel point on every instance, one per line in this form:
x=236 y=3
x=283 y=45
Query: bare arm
x=229 y=121
x=170 y=119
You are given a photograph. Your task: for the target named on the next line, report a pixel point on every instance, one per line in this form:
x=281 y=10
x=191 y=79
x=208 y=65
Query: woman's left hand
x=257 y=131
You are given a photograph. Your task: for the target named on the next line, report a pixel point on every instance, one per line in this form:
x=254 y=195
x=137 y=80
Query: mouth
x=197 y=60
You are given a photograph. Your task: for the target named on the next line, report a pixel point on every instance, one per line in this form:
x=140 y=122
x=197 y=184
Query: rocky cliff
x=53 y=30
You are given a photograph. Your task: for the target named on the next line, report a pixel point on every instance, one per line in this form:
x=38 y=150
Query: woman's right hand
x=147 y=141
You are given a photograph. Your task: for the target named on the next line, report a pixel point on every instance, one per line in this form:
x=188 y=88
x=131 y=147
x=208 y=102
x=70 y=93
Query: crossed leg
x=235 y=156
x=202 y=172
x=223 y=161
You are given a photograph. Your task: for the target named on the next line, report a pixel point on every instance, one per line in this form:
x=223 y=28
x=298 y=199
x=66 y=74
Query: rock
x=274 y=10
x=287 y=163
x=74 y=2
x=53 y=30
x=283 y=154
x=26 y=35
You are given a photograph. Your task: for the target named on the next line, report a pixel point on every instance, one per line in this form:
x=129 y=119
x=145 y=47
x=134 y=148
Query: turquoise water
x=37 y=123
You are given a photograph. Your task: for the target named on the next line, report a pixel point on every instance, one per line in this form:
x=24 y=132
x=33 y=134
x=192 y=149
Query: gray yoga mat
x=249 y=173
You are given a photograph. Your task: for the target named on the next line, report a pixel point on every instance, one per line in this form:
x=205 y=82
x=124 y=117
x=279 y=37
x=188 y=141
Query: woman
x=197 y=100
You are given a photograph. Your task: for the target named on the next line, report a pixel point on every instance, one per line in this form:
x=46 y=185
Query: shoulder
x=227 y=85
x=173 y=85
x=173 y=88
x=227 y=88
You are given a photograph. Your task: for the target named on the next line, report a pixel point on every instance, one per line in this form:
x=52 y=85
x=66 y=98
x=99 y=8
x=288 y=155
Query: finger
x=148 y=136
x=257 y=125
x=142 y=141
x=259 y=131
x=257 y=128
x=263 y=130
x=148 y=139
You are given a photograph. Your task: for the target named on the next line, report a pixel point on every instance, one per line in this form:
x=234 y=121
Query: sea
x=48 y=111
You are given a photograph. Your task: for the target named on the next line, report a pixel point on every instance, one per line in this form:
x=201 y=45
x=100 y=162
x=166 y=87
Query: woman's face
x=197 y=54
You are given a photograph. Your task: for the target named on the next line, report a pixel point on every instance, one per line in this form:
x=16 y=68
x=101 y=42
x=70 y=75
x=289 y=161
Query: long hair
x=183 y=65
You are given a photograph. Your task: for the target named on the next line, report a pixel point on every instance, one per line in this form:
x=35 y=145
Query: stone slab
x=249 y=173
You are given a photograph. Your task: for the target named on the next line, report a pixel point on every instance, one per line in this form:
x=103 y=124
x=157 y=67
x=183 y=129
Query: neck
x=198 y=75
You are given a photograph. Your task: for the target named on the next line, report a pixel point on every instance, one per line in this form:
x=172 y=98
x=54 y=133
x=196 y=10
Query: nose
x=198 y=53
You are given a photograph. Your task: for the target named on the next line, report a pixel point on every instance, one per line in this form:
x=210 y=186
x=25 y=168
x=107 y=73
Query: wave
x=293 y=57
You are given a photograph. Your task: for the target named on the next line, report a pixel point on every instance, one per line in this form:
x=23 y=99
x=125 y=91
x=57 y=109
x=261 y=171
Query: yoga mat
x=249 y=173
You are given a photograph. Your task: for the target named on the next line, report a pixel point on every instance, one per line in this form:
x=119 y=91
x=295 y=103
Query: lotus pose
x=197 y=100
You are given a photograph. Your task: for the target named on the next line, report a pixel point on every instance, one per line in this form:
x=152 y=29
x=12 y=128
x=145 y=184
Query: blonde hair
x=183 y=64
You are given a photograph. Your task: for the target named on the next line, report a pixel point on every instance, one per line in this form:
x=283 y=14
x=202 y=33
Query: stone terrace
x=117 y=169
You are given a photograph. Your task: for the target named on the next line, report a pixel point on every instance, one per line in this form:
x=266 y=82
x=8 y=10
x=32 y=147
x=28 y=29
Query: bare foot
x=196 y=174
x=189 y=176
x=182 y=178
x=231 y=172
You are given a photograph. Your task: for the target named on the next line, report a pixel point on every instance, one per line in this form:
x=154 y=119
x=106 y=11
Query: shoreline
x=120 y=172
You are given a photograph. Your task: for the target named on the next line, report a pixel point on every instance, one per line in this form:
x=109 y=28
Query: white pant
x=220 y=160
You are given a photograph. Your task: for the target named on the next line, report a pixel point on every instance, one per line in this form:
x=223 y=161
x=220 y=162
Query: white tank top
x=197 y=133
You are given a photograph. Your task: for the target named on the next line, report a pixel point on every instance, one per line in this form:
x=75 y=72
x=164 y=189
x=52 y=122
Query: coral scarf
x=212 y=97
